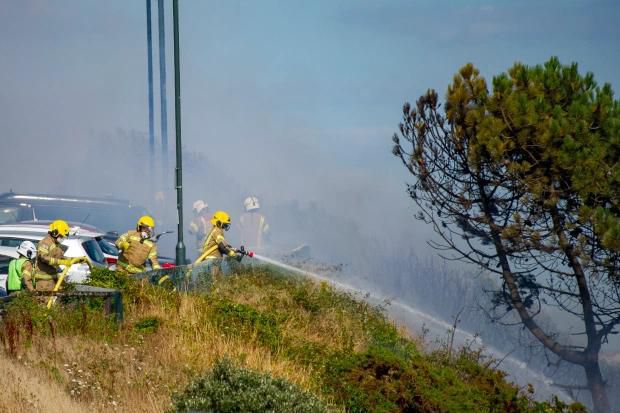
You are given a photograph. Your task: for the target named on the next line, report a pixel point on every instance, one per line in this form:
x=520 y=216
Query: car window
x=108 y=218
x=9 y=215
x=4 y=264
x=14 y=242
x=107 y=247
x=94 y=251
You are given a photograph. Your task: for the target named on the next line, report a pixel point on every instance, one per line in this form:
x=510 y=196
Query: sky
x=293 y=101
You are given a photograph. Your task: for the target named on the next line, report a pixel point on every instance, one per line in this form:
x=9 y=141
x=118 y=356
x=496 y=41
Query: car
x=110 y=214
x=79 y=243
x=105 y=241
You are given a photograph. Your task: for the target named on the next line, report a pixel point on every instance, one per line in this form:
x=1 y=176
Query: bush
x=230 y=389
x=102 y=277
x=380 y=380
x=245 y=321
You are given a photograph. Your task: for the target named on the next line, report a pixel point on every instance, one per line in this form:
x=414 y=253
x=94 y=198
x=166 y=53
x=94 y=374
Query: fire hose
x=61 y=278
x=241 y=251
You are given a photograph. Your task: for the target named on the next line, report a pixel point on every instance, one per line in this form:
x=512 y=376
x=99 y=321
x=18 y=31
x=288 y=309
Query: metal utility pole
x=162 y=92
x=149 y=42
x=180 y=250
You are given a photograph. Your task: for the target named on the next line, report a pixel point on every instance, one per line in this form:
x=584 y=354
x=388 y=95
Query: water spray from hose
x=519 y=371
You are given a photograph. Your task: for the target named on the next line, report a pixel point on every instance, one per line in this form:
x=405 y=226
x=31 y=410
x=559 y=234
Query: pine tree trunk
x=597 y=388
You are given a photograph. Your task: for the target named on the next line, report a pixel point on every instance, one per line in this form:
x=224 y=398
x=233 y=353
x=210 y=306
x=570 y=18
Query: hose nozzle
x=242 y=251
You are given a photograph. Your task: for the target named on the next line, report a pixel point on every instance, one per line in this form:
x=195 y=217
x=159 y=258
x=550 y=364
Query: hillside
x=338 y=352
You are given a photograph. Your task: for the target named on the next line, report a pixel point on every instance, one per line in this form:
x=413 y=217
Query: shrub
x=245 y=321
x=227 y=388
x=375 y=380
x=102 y=277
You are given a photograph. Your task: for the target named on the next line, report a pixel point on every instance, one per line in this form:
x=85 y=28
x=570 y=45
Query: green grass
x=343 y=352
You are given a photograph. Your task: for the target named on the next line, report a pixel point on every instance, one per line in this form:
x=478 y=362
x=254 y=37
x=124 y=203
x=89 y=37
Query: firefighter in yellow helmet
x=253 y=226
x=51 y=255
x=136 y=248
x=215 y=246
x=199 y=227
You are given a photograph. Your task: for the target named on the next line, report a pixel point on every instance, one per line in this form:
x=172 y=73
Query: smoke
x=292 y=104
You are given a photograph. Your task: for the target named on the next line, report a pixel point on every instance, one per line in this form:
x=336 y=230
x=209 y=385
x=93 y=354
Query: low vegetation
x=268 y=341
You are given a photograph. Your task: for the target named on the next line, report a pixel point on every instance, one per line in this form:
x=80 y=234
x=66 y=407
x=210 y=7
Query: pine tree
x=522 y=180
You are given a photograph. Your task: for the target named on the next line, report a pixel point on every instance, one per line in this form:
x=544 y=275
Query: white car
x=79 y=243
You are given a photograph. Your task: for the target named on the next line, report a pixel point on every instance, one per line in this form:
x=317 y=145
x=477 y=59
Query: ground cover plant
x=336 y=351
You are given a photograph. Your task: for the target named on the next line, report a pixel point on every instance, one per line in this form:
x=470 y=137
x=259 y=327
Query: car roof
x=46 y=222
x=13 y=197
x=9 y=251
x=36 y=230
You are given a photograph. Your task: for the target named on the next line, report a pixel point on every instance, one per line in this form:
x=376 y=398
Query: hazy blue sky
x=286 y=99
x=311 y=91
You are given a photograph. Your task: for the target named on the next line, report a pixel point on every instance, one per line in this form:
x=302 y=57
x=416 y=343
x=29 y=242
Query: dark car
x=109 y=214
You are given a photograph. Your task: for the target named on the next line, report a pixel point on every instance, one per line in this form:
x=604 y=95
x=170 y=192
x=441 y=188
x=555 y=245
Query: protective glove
x=232 y=253
x=123 y=246
x=63 y=261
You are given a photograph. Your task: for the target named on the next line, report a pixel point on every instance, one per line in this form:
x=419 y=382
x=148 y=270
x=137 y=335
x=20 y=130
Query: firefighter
x=137 y=247
x=252 y=224
x=215 y=245
x=20 y=269
x=199 y=227
x=51 y=255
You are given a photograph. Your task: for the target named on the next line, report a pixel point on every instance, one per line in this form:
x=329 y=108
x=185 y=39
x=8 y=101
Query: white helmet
x=27 y=249
x=199 y=206
x=251 y=203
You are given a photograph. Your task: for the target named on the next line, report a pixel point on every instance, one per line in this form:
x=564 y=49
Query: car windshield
x=108 y=218
x=94 y=251
x=107 y=247
x=9 y=215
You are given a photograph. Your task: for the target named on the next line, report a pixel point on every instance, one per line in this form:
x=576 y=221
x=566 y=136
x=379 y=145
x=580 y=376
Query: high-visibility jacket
x=253 y=228
x=50 y=256
x=199 y=227
x=19 y=269
x=135 y=251
x=215 y=245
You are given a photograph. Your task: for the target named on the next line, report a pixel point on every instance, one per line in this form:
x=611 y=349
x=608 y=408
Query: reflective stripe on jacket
x=215 y=244
x=49 y=258
x=135 y=252
x=199 y=227
x=253 y=228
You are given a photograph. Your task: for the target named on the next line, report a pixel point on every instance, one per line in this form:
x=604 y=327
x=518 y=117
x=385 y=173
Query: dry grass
x=72 y=360
x=138 y=372
x=25 y=389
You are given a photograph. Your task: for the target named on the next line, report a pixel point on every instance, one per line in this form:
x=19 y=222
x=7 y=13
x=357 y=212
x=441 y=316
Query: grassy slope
x=327 y=342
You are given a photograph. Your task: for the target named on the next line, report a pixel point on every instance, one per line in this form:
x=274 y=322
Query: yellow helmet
x=146 y=221
x=221 y=219
x=59 y=228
